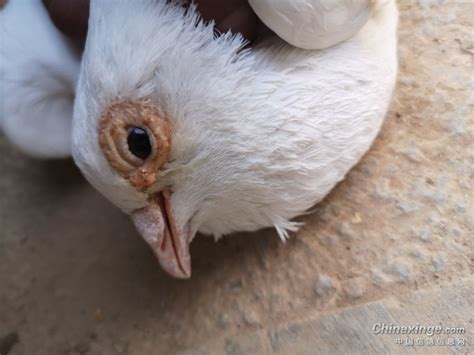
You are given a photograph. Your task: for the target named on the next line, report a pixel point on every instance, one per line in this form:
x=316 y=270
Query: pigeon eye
x=138 y=142
x=135 y=138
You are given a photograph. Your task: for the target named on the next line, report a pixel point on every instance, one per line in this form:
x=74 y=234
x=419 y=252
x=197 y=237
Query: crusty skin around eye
x=113 y=128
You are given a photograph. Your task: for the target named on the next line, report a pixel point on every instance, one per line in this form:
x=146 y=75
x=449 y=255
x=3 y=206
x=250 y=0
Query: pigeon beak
x=169 y=242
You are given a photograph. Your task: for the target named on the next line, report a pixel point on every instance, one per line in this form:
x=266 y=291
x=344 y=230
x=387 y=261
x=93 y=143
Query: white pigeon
x=186 y=132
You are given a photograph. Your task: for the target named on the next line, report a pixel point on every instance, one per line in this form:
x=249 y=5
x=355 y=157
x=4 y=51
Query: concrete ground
x=391 y=245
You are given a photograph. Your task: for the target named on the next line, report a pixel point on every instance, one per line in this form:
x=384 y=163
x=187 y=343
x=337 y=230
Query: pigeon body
x=186 y=132
x=38 y=75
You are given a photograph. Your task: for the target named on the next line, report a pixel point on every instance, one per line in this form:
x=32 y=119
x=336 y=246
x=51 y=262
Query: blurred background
x=393 y=243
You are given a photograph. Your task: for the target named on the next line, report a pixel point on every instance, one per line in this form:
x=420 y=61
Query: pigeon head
x=169 y=126
x=185 y=131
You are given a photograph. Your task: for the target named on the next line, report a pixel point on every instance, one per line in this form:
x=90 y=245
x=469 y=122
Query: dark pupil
x=138 y=142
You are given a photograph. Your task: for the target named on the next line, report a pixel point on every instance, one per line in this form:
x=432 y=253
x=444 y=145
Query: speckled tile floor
x=392 y=239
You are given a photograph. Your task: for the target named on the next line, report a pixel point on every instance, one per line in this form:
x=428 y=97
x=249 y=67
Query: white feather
x=259 y=136
x=38 y=73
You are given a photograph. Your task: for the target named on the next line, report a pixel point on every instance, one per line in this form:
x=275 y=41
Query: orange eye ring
x=114 y=127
